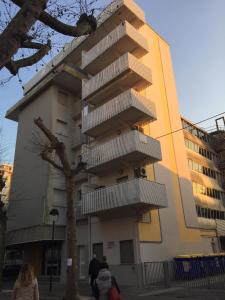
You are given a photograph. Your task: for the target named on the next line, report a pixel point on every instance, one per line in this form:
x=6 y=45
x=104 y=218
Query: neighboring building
x=206 y=159
x=6 y=171
x=115 y=111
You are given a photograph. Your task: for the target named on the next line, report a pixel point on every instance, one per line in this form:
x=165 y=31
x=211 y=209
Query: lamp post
x=54 y=213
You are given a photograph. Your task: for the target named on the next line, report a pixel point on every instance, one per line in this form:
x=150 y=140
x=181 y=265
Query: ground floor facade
x=117 y=239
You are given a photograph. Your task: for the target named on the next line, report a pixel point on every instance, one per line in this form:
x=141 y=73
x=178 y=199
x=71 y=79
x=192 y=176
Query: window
x=79 y=195
x=59 y=197
x=97 y=249
x=204 y=212
x=201 y=189
x=61 y=128
x=126 y=252
x=196 y=148
x=62 y=98
x=146 y=218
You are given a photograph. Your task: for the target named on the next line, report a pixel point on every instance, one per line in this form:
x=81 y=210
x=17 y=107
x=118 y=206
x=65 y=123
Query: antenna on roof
x=222 y=126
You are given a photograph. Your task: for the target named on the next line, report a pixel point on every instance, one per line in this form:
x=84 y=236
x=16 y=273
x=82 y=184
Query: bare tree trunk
x=69 y=175
x=71 y=286
x=15 y=33
x=2 y=243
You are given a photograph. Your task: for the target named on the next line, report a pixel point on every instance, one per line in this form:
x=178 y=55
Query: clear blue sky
x=195 y=30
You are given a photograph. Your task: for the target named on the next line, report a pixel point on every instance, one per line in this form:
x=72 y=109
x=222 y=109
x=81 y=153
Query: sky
x=195 y=31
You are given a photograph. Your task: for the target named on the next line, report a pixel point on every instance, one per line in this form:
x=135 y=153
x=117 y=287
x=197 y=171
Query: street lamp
x=54 y=213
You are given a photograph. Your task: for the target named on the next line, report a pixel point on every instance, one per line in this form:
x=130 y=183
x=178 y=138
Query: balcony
x=220 y=163
x=124 y=199
x=127 y=108
x=218 y=140
x=127 y=149
x=124 y=73
x=125 y=38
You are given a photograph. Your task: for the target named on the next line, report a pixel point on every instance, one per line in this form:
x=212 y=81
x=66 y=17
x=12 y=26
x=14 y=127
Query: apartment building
x=6 y=171
x=206 y=153
x=111 y=98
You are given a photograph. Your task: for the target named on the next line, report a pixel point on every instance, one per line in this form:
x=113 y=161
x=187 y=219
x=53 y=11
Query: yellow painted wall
x=163 y=93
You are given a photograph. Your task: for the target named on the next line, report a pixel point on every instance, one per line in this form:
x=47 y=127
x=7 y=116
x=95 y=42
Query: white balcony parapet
x=205 y=223
x=124 y=73
x=125 y=38
x=138 y=194
x=129 y=108
x=130 y=148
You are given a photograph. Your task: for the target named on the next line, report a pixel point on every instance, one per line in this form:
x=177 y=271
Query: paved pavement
x=130 y=293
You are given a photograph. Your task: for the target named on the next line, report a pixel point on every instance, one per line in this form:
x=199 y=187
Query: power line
x=194 y=124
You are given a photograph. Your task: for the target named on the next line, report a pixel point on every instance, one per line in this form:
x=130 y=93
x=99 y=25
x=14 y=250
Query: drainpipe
x=218 y=239
x=139 y=266
x=89 y=238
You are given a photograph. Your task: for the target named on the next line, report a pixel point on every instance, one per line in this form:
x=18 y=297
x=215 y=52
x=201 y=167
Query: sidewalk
x=57 y=291
x=129 y=293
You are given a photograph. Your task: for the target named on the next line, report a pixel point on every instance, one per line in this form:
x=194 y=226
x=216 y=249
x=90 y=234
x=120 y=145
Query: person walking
x=104 y=262
x=26 y=285
x=105 y=285
x=94 y=267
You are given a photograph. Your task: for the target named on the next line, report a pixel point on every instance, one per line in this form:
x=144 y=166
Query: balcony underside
x=133 y=197
x=131 y=12
x=131 y=159
x=132 y=43
x=128 y=79
x=131 y=148
x=130 y=210
x=129 y=117
x=122 y=111
x=124 y=73
x=124 y=45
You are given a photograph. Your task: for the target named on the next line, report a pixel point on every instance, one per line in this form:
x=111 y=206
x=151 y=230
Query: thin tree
x=26 y=24
x=54 y=152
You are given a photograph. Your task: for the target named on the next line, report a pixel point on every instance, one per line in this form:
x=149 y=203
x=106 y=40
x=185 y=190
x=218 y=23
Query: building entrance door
x=98 y=250
x=82 y=262
x=51 y=260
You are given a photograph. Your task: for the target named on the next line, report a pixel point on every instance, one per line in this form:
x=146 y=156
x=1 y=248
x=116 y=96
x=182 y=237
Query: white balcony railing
x=137 y=194
x=127 y=108
x=124 y=73
x=124 y=38
x=128 y=148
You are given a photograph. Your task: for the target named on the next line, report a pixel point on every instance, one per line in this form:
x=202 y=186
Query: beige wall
x=28 y=196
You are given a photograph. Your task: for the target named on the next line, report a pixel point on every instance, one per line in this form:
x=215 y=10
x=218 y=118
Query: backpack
x=113 y=294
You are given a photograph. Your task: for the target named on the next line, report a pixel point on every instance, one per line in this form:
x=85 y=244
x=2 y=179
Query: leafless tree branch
x=14 y=66
x=38 y=20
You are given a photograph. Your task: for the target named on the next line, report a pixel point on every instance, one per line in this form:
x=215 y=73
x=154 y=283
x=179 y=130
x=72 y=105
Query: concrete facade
x=207 y=175
x=115 y=112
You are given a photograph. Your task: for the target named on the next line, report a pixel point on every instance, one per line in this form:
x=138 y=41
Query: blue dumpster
x=188 y=267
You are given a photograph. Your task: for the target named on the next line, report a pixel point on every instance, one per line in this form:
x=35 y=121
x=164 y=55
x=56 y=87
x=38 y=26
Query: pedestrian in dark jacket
x=94 y=267
x=104 y=263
